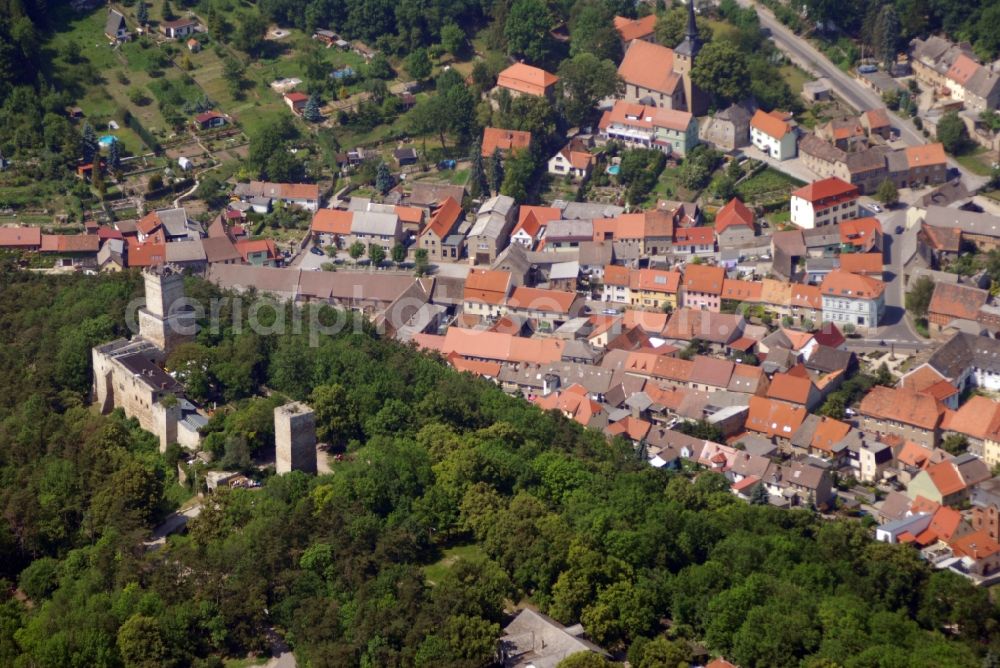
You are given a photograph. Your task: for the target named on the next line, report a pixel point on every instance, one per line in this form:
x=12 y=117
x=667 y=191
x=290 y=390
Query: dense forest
x=554 y=516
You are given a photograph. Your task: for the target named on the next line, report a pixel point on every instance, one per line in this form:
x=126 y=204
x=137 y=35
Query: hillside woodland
x=549 y=515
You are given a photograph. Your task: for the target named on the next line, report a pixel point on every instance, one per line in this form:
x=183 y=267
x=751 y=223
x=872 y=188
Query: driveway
x=795 y=167
x=849 y=89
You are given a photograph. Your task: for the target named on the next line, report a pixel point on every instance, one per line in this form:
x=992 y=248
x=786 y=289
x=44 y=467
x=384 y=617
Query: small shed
x=816 y=91
x=185 y=163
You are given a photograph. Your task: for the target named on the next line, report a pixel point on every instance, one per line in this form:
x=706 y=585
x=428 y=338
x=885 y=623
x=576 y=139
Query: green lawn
x=767 y=185
x=976 y=161
x=434 y=572
x=794 y=77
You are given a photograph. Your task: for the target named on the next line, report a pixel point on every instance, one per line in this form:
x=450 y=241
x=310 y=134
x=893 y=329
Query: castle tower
x=684 y=57
x=294 y=438
x=164 y=321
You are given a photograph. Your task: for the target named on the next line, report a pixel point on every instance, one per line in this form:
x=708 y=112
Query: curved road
x=849 y=89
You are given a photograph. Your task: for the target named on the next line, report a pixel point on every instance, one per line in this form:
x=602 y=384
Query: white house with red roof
x=773 y=133
x=852 y=299
x=824 y=202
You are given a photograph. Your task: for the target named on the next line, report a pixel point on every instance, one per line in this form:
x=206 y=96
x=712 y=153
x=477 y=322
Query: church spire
x=691 y=34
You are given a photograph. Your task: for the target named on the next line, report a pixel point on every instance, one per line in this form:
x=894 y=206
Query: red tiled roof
x=630 y=29
x=774 y=418
x=770 y=123
x=487 y=285
x=246 y=247
x=148 y=254
x=640 y=116
x=945 y=477
x=902 y=405
x=843 y=284
x=650 y=66
x=733 y=213
x=957 y=301
x=444 y=219
x=20 y=237
x=704 y=278
x=657 y=280
x=975 y=545
x=828 y=433
x=740 y=290
x=538 y=299
x=827 y=192
x=793 y=389
x=526 y=79
x=861 y=263
x=505 y=140
x=928 y=155
x=332 y=221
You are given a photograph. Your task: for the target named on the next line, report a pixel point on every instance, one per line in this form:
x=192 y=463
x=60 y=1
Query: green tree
x=383 y=179
x=495 y=171
x=141 y=643
x=518 y=175
x=759 y=496
x=233 y=70
x=672 y=25
x=399 y=253
x=89 y=147
x=142 y=13
x=886 y=35
x=663 y=653
x=418 y=64
x=527 y=30
x=452 y=38
x=585 y=660
x=721 y=70
x=591 y=30
x=356 y=250
x=336 y=413
x=420 y=261
x=918 y=299
x=887 y=193
x=585 y=80
x=478 y=183
x=952 y=133
x=311 y=111
x=376 y=254
x=250 y=29
x=955 y=444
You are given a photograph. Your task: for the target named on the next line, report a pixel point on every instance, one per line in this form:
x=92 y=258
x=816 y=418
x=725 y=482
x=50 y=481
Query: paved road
x=849 y=89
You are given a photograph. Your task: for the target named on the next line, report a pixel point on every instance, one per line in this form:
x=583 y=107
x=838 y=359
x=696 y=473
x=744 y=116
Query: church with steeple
x=658 y=76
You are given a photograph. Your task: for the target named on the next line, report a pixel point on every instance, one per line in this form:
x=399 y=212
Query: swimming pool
x=614 y=169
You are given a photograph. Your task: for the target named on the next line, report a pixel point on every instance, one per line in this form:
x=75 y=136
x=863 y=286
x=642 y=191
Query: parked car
x=316 y=250
x=876 y=208
x=446 y=164
x=899 y=229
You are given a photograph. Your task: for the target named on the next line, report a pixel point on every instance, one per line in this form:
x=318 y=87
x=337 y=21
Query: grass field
x=794 y=77
x=434 y=572
x=978 y=161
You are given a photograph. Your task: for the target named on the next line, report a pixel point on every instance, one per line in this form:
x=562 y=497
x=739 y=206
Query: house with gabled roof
x=773 y=133
x=824 y=202
x=435 y=237
x=505 y=141
x=522 y=79
x=115 y=27
x=734 y=223
x=573 y=160
x=702 y=286
x=852 y=299
x=910 y=415
x=643 y=28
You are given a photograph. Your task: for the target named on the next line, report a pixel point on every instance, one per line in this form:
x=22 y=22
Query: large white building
x=852 y=299
x=824 y=202
x=773 y=134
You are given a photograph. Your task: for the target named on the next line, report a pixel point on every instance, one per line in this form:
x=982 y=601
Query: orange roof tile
x=498 y=346
x=657 y=280
x=704 y=278
x=957 y=301
x=975 y=545
x=732 y=214
x=648 y=321
x=332 y=221
x=538 y=299
x=20 y=237
x=793 y=389
x=928 y=155
x=877 y=118
x=962 y=69
x=148 y=254
x=649 y=66
x=526 y=79
x=977 y=417
x=744 y=291
x=828 y=433
x=827 y=192
x=505 y=140
x=487 y=285
x=770 y=123
x=448 y=214
x=640 y=116
x=861 y=263
x=861 y=232
x=902 y=405
x=634 y=428
x=475 y=367
x=843 y=284
x=630 y=29
x=774 y=418
x=410 y=214
x=921 y=378
x=945 y=477
x=615 y=274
